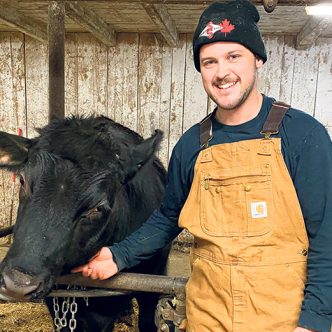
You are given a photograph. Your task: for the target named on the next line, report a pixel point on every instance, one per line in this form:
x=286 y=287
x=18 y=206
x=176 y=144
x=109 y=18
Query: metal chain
x=57 y=320
x=65 y=307
x=73 y=310
x=64 y=310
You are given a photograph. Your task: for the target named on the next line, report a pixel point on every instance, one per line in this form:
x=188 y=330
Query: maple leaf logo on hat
x=229 y=20
x=226 y=26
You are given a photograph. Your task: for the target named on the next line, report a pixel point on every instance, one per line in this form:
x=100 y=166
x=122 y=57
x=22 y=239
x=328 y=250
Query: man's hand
x=302 y=329
x=101 y=266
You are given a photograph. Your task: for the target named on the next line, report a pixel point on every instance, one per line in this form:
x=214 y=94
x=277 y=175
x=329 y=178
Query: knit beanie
x=230 y=20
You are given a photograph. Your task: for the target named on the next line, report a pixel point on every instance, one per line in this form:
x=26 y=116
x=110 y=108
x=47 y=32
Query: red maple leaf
x=226 y=26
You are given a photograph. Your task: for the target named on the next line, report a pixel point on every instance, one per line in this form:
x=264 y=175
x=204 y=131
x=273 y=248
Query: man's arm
x=160 y=229
x=313 y=183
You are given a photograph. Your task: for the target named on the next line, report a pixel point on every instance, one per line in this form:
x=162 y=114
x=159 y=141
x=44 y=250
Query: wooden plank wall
x=143 y=84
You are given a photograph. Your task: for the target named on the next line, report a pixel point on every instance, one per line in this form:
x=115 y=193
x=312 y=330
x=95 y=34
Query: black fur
x=86 y=183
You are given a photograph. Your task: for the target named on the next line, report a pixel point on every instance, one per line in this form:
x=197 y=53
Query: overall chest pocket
x=236 y=202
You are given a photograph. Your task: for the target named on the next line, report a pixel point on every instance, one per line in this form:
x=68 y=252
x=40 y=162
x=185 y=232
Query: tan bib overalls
x=249 y=255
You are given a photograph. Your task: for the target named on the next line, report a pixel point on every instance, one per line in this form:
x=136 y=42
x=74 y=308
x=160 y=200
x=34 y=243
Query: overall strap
x=271 y=125
x=205 y=131
x=276 y=114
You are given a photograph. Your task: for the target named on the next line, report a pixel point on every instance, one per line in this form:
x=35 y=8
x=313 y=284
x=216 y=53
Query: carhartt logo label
x=258 y=210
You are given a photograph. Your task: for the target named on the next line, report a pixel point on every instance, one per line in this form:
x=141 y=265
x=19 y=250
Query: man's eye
x=208 y=63
x=234 y=57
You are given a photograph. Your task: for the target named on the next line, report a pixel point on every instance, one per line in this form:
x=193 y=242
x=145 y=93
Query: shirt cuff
x=312 y=321
x=117 y=258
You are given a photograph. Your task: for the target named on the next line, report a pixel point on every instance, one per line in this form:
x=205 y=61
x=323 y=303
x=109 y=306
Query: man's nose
x=222 y=71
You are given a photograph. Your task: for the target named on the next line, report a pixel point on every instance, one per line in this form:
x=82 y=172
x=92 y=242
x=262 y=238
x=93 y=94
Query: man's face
x=228 y=72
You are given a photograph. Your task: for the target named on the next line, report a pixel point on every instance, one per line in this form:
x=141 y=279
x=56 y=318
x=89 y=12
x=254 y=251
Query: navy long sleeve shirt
x=307 y=151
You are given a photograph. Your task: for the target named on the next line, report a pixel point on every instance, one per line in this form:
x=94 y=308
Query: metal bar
x=56 y=58
x=131 y=282
x=86 y=293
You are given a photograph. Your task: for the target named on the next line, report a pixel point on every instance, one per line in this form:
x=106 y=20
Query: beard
x=236 y=103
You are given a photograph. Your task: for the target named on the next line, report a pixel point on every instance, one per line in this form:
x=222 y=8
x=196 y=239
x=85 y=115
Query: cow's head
x=74 y=178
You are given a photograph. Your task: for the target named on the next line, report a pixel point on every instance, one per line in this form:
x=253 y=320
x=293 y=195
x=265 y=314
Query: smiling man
x=229 y=77
x=253 y=183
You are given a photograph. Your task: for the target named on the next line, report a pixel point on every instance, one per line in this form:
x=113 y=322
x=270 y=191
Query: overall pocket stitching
x=216 y=185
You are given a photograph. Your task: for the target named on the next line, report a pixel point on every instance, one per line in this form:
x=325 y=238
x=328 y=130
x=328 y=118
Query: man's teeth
x=226 y=86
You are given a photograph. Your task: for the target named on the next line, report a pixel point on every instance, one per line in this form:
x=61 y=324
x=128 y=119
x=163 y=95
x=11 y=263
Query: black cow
x=85 y=183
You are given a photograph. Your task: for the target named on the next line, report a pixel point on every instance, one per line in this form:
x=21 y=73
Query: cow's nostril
x=19 y=284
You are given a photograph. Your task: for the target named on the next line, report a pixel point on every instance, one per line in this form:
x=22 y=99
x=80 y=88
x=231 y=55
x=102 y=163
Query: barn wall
x=143 y=84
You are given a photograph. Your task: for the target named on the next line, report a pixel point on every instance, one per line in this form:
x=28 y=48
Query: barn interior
x=132 y=61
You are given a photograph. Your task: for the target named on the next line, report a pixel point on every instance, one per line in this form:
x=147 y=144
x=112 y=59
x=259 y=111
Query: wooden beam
x=92 y=22
x=312 y=29
x=56 y=59
x=10 y=16
x=160 y=16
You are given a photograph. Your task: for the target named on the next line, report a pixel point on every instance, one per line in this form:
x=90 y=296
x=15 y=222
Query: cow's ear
x=141 y=153
x=13 y=150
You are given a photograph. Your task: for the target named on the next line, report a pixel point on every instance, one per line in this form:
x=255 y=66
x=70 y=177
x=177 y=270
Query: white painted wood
x=36 y=85
x=71 y=75
x=12 y=83
x=161 y=18
x=123 y=80
x=270 y=73
x=177 y=93
x=323 y=109
x=6 y=87
x=329 y=130
x=289 y=17
x=129 y=81
x=5 y=124
x=144 y=84
x=305 y=79
x=195 y=99
x=92 y=22
x=12 y=113
x=18 y=112
x=115 y=80
x=92 y=81
x=165 y=101
x=314 y=27
x=24 y=23
x=287 y=70
x=91 y=69
x=150 y=57
x=7 y=197
x=18 y=119
x=100 y=77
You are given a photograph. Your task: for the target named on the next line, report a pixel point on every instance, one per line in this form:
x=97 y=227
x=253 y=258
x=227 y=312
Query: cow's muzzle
x=19 y=286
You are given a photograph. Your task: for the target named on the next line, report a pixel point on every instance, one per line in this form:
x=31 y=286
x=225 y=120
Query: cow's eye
x=94 y=213
x=22 y=181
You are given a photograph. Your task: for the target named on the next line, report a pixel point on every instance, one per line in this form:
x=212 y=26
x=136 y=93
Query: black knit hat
x=230 y=20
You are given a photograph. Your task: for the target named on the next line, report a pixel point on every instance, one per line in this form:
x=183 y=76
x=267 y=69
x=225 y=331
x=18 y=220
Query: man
x=253 y=184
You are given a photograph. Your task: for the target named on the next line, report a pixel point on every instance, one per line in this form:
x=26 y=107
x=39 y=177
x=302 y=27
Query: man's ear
x=13 y=150
x=259 y=62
